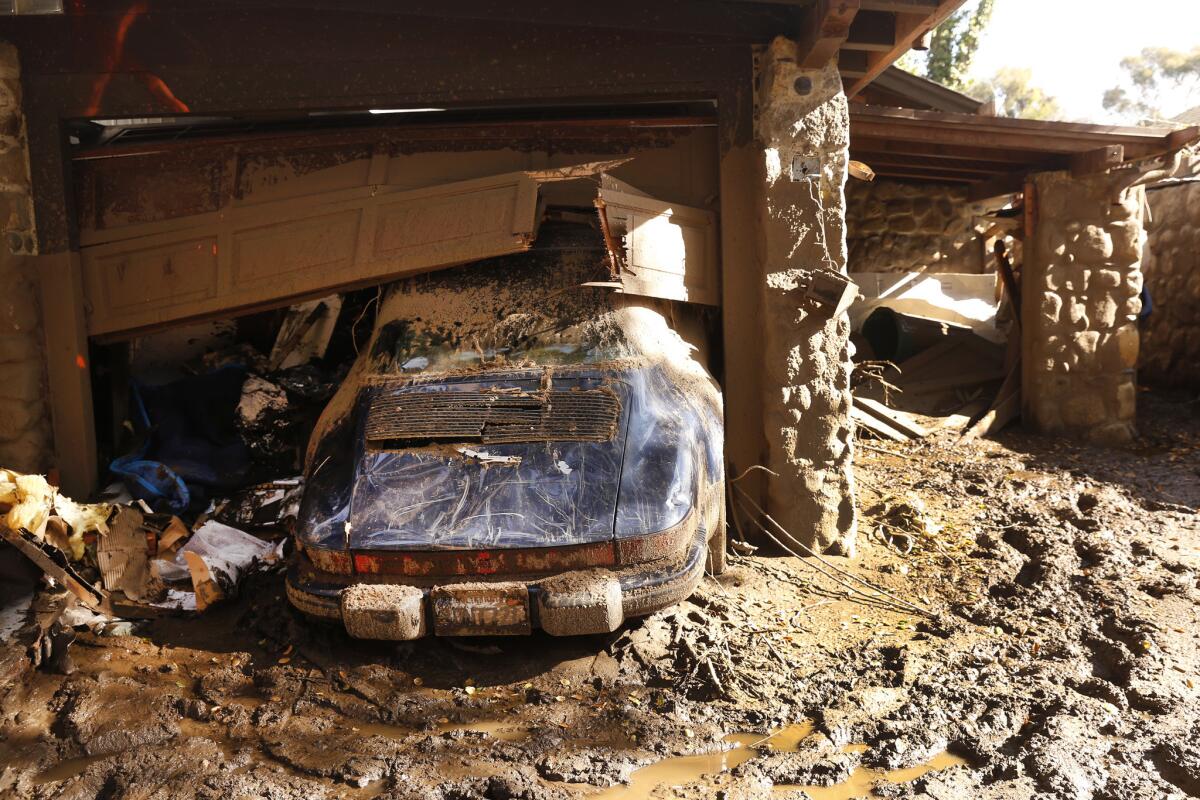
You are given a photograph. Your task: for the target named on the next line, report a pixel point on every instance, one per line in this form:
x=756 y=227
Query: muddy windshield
x=549 y=306
x=445 y=357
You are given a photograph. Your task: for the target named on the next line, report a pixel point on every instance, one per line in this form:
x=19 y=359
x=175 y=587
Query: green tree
x=1015 y=95
x=953 y=44
x=1153 y=77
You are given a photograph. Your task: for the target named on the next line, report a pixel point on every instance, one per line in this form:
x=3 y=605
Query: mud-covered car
x=516 y=450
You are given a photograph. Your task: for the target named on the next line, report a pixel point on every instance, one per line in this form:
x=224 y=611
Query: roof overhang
x=994 y=155
x=865 y=37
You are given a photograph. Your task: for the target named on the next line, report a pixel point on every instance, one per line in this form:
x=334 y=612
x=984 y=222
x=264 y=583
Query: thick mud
x=1059 y=659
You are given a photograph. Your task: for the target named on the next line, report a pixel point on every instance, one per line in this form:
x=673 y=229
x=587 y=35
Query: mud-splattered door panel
x=273 y=253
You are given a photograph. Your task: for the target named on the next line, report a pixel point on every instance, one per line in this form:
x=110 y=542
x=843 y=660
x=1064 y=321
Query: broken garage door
x=268 y=254
x=242 y=258
x=669 y=250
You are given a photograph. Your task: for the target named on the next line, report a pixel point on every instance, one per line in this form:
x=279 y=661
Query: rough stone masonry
x=24 y=420
x=1170 y=353
x=802 y=117
x=1084 y=277
x=893 y=226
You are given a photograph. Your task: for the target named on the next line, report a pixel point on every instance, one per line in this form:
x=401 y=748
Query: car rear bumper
x=585 y=601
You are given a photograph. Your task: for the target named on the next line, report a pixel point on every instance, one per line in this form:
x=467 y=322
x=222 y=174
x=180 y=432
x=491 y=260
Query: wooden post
x=68 y=370
x=1028 y=300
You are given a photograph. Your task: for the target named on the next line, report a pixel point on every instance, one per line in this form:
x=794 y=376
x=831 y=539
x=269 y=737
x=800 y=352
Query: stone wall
x=803 y=115
x=893 y=226
x=25 y=438
x=1171 y=336
x=1082 y=281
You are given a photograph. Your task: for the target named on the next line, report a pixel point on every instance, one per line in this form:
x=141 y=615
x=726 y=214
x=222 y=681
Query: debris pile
x=201 y=426
x=119 y=560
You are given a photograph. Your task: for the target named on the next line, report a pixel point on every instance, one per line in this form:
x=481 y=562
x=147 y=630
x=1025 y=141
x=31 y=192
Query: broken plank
x=876 y=426
x=664 y=250
x=911 y=366
x=40 y=554
x=962 y=418
x=953 y=381
x=890 y=416
x=1004 y=409
x=996 y=418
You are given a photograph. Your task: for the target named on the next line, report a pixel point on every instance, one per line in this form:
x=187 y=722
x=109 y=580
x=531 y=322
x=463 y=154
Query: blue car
x=566 y=480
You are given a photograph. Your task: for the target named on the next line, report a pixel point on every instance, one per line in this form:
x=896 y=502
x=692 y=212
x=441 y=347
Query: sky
x=1075 y=47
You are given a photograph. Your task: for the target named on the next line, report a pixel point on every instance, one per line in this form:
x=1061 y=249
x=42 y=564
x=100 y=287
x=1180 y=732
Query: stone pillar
x=801 y=116
x=25 y=440
x=1083 y=278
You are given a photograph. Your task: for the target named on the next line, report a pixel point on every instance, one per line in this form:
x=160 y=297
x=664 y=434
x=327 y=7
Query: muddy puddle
x=683 y=770
x=498 y=729
x=678 y=771
x=68 y=768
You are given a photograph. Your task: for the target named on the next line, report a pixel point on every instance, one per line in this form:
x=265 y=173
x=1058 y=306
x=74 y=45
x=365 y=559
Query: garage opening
x=234 y=268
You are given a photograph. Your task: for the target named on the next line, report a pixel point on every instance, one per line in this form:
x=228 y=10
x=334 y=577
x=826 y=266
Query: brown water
x=683 y=770
x=677 y=771
x=498 y=729
x=68 y=768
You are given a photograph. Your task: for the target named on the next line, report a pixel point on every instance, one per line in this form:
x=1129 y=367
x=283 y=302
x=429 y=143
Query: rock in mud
x=591 y=766
x=520 y=784
x=817 y=761
x=110 y=715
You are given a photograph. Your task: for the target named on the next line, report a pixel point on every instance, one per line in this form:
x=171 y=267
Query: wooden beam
x=900 y=5
x=966 y=136
x=876 y=426
x=975 y=166
x=872 y=30
x=1098 y=160
x=68 y=368
x=1000 y=185
x=901 y=421
x=972 y=130
x=912 y=20
x=869 y=147
x=1183 y=137
x=827 y=25
x=931 y=177
x=852 y=63
x=937 y=173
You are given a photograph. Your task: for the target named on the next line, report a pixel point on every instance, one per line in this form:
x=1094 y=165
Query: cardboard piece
x=121 y=554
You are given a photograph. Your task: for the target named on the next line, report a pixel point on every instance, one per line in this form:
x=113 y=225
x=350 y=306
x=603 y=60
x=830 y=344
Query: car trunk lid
x=488 y=463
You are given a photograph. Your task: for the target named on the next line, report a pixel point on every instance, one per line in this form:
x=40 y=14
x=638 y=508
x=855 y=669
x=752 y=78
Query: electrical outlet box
x=805 y=168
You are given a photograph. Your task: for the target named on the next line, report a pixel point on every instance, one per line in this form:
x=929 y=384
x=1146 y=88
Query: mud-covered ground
x=1059 y=659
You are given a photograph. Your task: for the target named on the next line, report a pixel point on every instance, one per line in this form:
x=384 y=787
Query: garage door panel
x=270 y=254
x=152 y=277
x=298 y=251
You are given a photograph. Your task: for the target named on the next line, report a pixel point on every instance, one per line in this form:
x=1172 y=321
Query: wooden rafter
x=995 y=154
x=883 y=162
x=872 y=31
x=912 y=20
x=972 y=131
x=826 y=29
x=901 y=6
x=901 y=146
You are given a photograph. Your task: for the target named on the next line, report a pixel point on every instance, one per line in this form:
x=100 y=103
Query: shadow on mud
x=1168 y=425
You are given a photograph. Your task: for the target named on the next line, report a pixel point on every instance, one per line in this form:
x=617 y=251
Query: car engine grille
x=585 y=415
